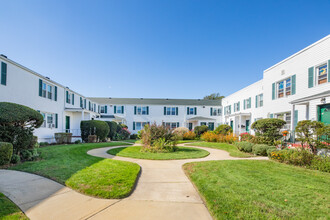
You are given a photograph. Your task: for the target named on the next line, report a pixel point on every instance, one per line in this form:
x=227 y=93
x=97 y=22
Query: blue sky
x=160 y=49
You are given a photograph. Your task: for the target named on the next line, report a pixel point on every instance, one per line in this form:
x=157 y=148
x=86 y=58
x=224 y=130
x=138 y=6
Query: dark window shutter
x=238 y=106
x=106 y=109
x=3 y=73
x=244 y=104
x=72 y=99
x=195 y=110
x=177 y=111
x=115 y=109
x=81 y=102
x=122 y=109
x=55 y=96
x=177 y=124
x=187 y=110
x=310 y=77
x=56 y=120
x=67 y=97
x=133 y=125
x=134 y=110
x=293 y=84
x=147 y=110
x=273 y=91
x=211 y=111
x=249 y=105
x=84 y=103
x=271 y=115
x=256 y=101
x=164 y=110
x=40 y=87
x=328 y=70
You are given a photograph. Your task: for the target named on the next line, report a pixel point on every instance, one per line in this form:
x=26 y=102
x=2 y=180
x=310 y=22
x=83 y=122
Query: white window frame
x=286 y=116
x=141 y=110
x=47 y=122
x=170 y=110
x=118 y=109
x=191 y=110
x=140 y=125
x=50 y=92
x=285 y=87
x=216 y=111
x=102 y=109
x=170 y=125
x=318 y=72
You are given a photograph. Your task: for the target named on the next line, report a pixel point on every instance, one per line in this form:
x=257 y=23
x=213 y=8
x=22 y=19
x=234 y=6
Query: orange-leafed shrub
x=212 y=137
x=190 y=135
x=209 y=136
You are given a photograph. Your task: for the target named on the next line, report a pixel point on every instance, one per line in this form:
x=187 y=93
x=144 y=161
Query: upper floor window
x=191 y=110
x=141 y=110
x=102 y=109
x=247 y=103
x=68 y=97
x=227 y=110
x=322 y=74
x=236 y=106
x=216 y=111
x=118 y=109
x=259 y=100
x=47 y=90
x=171 y=110
x=284 y=88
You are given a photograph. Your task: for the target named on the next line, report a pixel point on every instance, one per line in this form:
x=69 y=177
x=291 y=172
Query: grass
x=187 y=141
x=181 y=153
x=231 y=149
x=261 y=190
x=72 y=166
x=130 y=141
x=9 y=211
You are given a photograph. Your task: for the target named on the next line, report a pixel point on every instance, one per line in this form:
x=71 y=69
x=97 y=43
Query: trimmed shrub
x=246 y=137
x=209 y=136
x=94 y=127
x=190 y=135
x=199 y=130
x=180 y=131
x=270 y=150
x=63 y=138
x=229 y=138
x=17 y=123
x=113 y=129
x=267 y=130
x=15 y=159
x=77 y=142
x=321 y=164
x=223 y=129
x=244 y=146
x=43 y=144
x=6 y=152
x=133 y=136
x=260 y=149
x=30 y=155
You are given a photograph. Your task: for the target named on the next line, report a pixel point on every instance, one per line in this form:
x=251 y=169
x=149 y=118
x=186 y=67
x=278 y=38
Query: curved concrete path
x=163 y=191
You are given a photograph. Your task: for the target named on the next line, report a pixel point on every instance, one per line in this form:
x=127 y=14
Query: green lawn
x=9 y=211
x=181 y=153
x=261 y=190
x=233 y=151
x=188 y=141
x=72 y=166
x=131 y=141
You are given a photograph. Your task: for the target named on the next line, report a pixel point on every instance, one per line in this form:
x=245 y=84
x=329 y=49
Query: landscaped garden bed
x=72 y=166
x=180 y=153
x=261 y=190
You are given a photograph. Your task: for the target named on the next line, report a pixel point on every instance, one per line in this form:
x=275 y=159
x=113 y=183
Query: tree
x=214 y=96
x=268 y=130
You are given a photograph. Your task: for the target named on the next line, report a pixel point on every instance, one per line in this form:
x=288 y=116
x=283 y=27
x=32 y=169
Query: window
x=44 y=92
x=322 y=74
x=170 y=110
x=203 y=123
x=118 y=109
x=216 y=111
x=236 y=107
x=247 y=103
x=139 y=125
x=227 y=110
x=286 y=117
x=171 y=125
x=259 y=100
x=284 y=88
x=49 y=91
x=141 y=110
x=49 y=120
x=102 y=109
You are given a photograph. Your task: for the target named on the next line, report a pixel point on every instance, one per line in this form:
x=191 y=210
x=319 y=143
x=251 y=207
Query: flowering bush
x=285 y=133
x=180 y=131
x=223 y=129
x=212 y=137
x=209 y=136
x=190 y=135
x=246 y=136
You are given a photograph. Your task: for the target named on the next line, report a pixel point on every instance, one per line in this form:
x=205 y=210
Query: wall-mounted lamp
x=323 y=100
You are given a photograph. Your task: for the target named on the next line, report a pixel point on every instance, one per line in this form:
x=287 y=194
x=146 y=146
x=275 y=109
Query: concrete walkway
x=163 y=191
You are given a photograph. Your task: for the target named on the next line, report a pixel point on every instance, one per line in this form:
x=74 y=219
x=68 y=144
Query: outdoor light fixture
x=323 y=100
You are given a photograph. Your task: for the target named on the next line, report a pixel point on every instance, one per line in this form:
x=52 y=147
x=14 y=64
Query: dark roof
x=143 y=101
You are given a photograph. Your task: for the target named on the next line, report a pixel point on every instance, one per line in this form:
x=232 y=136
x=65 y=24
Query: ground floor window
x=171 y=125
x=139 y=125
x=286 y=116
x=49 y=120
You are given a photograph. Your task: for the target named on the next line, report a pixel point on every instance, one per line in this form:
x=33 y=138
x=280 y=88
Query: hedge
x=94 y=127
x=6 y=152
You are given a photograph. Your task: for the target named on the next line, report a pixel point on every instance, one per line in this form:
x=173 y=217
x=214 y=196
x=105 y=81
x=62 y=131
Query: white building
x=294 y=89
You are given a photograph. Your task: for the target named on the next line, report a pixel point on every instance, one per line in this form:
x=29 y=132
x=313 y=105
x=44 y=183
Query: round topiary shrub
x=199 y=130
x=6 y=152
x=94 y=127
x=268 y=130
x=223 y=129
x=17 y=123
x=260 y=149
x=113 y=126
x=180 y=131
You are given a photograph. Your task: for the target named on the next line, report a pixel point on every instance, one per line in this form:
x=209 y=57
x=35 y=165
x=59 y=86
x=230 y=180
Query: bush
x=229 y=138
x=93 y=127
x=42 y=144
x=30 y=155
x=199 y=130
x=6 y=152
x=190 y=135
x=321 y=164
x=209 y=136
x=17 y=123
x=156 y=138
x=246 y=137
x=15 y=159
x=180 y=131
x=270 y=150
x=268 y=130
x=244 y=146
x=133 y=136
x=63 y=138
x=77 y=142
x=113 y=129
x=310 y=133
x=223 y=129
x=260 y=149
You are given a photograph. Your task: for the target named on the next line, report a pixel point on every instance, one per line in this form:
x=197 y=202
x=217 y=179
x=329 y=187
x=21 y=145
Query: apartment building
x=294 y=89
